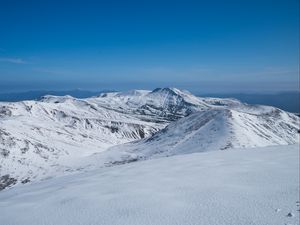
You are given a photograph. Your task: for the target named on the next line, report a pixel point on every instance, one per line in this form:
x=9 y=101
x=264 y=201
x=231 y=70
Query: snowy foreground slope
x=241 y=187
x=56 y=136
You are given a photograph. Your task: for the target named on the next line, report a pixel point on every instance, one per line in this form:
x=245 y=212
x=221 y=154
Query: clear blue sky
x=203 y=46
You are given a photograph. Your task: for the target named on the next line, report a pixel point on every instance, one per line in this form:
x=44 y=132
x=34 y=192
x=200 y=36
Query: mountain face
x=161 y=104
x=41 y=137
x=218 y=129
x=58 y=135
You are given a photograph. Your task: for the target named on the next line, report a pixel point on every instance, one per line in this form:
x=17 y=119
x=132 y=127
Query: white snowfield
x=233 y=187
x=56 y=136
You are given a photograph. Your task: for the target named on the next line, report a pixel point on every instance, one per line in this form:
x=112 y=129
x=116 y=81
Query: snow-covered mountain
x=38 y=138
x=58 y=135
x=161 y=104
x=218 y=129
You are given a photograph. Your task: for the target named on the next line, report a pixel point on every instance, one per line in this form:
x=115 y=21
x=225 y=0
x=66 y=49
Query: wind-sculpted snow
x=234 y=187
x=59 y=135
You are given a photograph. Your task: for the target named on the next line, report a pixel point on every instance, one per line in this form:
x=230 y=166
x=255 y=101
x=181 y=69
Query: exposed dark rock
x=6 y=181
x=27 y=180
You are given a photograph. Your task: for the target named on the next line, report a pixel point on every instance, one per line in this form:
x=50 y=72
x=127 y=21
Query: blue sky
x=203 y=46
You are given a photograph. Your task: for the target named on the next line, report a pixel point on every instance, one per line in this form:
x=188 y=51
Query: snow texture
x=248 y=187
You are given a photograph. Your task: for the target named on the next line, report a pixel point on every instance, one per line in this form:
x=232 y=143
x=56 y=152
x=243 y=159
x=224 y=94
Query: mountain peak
x=36 y=135
x=56 y=99
x=170 y=90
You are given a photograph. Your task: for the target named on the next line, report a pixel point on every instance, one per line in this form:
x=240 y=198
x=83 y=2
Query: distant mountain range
x=288 y=101
x=57 y=135
x=35 y=95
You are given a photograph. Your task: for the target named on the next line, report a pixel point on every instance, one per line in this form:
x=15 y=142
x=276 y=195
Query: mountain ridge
x=61 y=134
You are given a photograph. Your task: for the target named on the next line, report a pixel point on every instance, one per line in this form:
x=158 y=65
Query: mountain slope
x=218 y=129
x=39 y=138
x=59 y=135
x=257 y=187
x=161 y=104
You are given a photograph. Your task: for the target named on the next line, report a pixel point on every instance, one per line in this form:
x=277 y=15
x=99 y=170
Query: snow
x=161 y=104
x=216 y=129
x=41 y=138
x=258 y=186
x=59 y=135
x=146 y=157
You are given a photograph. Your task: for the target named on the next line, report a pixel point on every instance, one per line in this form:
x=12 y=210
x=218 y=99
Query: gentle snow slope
x=240 y=187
